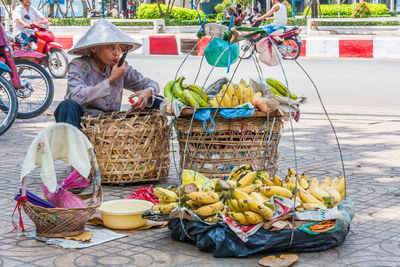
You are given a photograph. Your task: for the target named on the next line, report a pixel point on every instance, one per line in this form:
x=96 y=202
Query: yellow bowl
x=124 y=214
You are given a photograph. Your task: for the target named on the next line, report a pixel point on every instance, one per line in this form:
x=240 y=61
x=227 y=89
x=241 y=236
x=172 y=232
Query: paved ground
x=370 y=144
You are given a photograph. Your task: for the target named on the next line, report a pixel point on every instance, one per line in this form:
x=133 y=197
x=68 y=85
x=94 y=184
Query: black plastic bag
x=222 y=242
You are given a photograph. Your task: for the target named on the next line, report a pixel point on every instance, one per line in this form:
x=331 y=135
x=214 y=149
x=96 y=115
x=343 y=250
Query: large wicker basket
x=253 y=140
x=130 y=147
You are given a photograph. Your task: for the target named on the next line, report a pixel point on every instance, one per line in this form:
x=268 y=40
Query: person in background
x=24 y=15
x=256 y=14
x=259 y=5
x=95 y=81
x=115 y=12
x=280 y=17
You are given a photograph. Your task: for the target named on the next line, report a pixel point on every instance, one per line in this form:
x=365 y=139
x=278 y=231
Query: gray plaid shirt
x=91 y=89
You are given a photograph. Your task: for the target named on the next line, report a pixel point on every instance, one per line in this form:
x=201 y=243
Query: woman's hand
x=143 y=97
x=117 y=72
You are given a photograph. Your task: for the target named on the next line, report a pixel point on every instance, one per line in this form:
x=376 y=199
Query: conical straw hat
x=102 y=33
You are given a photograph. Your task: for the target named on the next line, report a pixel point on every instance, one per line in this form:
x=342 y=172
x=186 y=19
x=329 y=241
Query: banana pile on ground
x=187 y=94
x=246 y=196
x=277 y=88
x=232 y=95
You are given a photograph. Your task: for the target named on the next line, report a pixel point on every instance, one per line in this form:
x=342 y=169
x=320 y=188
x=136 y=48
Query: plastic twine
x=18 y=207
x=230 y=48
x=200 y=32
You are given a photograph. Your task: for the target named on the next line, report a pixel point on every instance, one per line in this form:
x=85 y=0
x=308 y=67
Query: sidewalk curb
x=329 y=47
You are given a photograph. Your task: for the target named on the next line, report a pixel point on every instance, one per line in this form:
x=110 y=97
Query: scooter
x=57 y=59
x=289 y=47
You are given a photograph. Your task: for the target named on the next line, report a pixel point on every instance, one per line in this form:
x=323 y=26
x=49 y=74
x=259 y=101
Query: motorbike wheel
x=246 y=49
x=8 y=105
x=290 y=49
x=57 y=62
x=37 y=89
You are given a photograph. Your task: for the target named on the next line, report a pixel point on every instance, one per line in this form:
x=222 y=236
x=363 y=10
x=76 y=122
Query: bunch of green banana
x=277 y=88
x=187 y=94
x=173 y=89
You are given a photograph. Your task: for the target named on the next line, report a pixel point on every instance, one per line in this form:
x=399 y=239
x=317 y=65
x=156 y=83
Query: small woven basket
x=62 y=222
x=130 y=147
x=253 y=140
x=59 y=222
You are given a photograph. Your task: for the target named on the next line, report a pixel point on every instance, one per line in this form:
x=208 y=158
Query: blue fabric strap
x=230 y=48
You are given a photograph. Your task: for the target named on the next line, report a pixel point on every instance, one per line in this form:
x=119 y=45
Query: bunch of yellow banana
x=168 y=200
x=234 y=95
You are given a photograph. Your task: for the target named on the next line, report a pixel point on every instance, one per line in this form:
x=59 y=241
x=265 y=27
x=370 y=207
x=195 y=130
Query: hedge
x=86 y=22
x=151 y=11
x=347 y=10
x=303 y=22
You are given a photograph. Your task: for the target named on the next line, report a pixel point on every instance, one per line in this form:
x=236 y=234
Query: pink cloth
x=62 y=198
x=268 y=54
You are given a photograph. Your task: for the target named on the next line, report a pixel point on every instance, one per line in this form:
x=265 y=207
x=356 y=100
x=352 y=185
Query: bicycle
x=8 y=96
x=31 y=82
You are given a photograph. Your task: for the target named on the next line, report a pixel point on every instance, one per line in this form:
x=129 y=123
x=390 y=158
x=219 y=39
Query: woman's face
x=107 y=54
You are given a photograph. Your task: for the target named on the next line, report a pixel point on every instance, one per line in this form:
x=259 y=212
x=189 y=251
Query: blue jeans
x=24 y=39
x=270 y=28
x=69 y=111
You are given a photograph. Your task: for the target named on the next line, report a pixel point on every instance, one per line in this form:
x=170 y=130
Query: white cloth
x=59 y=141
x=280 y=15
x=20 y=13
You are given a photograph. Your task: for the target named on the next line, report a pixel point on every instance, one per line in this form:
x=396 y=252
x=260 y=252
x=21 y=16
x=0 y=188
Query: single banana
x=277 y=180
x=243 y=205
x=177 y=88
x=238 y=194
x=318 y=193
x=275 y=92
x=165 y=208
x=314 y=182
x=249 y=94
x=210 y=209
x=234 y=205
x=258 y=182
x=234 y=101
x=325 y=182
x=313 y=206
x=259 y=208
x=238 y=92
x=307 y=197
x=257 y=95
x=214 y=102
x=333 y=193
x=168 y=89
x=270 y=191
x=250 y=188
x=340 y=186
x=197 y=89
x=193 y=205
x=257 y=196
x=192 y=98
x=252 y=217
x=208 y=197
x=238 y=217
x=165 y=195
x=230 y=91
x=291 y=172
x=247 y=179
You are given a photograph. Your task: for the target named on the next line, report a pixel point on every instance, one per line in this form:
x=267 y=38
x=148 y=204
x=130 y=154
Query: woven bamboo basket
x=253 y=140
x=59 y=222
x=62 y=222
x=131 y=147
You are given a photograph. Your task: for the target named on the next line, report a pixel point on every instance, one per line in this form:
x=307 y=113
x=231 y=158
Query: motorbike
x=32 y=84
x=57 y=59
x=289 y=46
